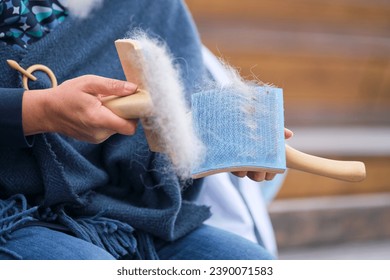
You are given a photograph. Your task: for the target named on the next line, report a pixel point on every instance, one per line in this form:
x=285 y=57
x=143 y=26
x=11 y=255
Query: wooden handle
x=352 y=171
x=138 y=105
x=132 y=61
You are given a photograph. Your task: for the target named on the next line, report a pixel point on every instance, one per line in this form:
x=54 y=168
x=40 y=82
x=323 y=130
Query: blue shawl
x=116 y=195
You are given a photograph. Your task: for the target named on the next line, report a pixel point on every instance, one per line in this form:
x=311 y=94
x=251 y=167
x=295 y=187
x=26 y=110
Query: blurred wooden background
x=332 y=59
x=330 y=56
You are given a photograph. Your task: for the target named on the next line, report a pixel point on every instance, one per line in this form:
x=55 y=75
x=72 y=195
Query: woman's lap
x=210 y=243
x=41 y=243
x=204 y=243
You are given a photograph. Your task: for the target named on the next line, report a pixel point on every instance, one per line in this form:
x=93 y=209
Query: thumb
x=97 y=85
x=115 y=123
x=288 y=133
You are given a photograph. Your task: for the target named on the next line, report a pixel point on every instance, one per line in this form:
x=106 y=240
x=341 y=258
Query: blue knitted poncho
x=117 y=195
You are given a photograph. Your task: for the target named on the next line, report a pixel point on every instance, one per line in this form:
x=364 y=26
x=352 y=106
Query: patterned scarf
x=23 y=22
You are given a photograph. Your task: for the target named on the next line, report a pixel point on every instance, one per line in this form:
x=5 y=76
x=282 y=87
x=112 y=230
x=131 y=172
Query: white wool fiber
x=81 y=9
x=247 y=91
x=171 y=116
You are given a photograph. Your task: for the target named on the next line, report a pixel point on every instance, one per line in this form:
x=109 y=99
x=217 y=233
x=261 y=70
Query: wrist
x=35 y=107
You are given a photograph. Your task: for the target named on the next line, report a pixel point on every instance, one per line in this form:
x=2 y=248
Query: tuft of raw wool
x=248 y=91
x=81 y=9
x=172 y=118
x=228 y=79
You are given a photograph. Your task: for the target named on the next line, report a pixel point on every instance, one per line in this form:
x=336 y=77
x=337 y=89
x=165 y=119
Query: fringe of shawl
x=117 y=238
x=14 y=213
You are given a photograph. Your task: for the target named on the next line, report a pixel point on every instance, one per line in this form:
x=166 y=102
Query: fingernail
x=130 y=87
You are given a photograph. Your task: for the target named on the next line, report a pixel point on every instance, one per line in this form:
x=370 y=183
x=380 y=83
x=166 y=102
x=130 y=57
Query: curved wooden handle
x=138 y=105
x=352 y=171
x=135 y=106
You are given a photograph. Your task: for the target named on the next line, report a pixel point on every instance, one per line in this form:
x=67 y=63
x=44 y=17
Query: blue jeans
x=204 y=243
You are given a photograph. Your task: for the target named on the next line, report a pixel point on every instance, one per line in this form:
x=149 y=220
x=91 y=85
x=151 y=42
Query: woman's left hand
x=261 y=176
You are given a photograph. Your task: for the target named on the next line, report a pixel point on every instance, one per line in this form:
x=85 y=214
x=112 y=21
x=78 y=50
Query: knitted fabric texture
x=114 y=195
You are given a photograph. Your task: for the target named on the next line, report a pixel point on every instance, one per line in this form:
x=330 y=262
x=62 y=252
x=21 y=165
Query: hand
x=75 y=109
x=261 y=176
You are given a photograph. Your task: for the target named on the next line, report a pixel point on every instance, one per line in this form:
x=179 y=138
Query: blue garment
x=117 y=195
x=47 y=244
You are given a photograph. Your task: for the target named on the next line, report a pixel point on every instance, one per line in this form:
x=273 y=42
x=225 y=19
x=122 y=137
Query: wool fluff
x=81 y=9
x=228 y=79
x=172 y=120
x=241 y=124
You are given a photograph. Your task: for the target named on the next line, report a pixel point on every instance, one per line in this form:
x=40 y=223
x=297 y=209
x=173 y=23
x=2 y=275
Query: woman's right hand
x=75 y=109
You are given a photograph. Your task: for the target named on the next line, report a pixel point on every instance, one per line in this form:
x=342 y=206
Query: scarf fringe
x=117 y=238
x=144 y=248
x=14 y=212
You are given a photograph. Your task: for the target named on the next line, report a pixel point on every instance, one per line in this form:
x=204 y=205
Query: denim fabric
x=41 y=243
x=210 y=243
x=205 y=243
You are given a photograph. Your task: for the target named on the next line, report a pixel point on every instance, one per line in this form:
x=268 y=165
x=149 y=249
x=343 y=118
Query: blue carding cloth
x=116 y=194
x=240 y=127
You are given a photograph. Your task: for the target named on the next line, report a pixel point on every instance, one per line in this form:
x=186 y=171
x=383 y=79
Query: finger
x=288 y=133
x=270 y=176
x=97 y=85
x=240 y=174
x=256 y=176
x=101 y=136
x=115 y=123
